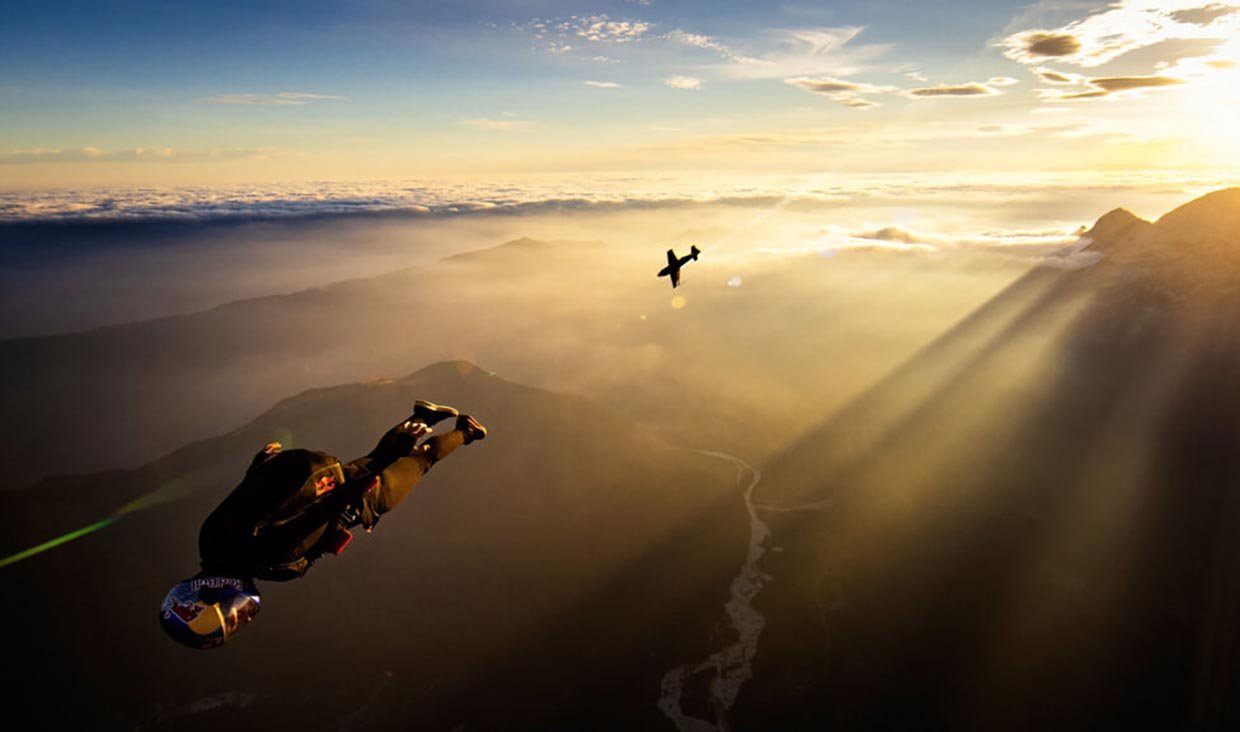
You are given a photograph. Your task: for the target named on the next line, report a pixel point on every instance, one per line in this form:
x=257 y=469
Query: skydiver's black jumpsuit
x=272 y=526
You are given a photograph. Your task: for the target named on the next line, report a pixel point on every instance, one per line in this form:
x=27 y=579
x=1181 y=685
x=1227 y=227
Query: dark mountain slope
x=547 y=576
x=719 y=367
x=1035 y=521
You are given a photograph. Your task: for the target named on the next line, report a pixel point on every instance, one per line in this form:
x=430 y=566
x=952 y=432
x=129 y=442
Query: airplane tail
x=693 y=252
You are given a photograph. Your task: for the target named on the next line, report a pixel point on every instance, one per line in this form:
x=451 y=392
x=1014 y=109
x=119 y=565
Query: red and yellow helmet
x=206 y=610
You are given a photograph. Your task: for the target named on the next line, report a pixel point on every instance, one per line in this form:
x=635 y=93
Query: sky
x=176 y=94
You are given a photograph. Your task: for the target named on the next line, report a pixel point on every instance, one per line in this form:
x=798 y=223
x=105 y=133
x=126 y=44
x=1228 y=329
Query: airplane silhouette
x=673 y=264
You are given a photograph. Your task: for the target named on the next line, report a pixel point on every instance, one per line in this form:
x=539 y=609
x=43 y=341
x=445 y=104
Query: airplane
x=673 y=264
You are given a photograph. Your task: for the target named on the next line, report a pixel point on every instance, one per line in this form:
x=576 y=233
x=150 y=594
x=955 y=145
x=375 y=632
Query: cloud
x=1107 y=85
x=972 y=89
x=810 y=52
x=845 y=137
x=1054 y=77
x=561 y=34
x=1204 y=15
x=602 y=84
x=842 y=91
x=1124 y=83
x=496 y=125
x=683 y=82
x=1123 y=27
x=697 y=40
x=1037 y=44
x=936 y=190
x=602 y=29
x=1053 y=248
x=131 y=155
x=1073 y=96
x=1001 y=81
x=279 y=99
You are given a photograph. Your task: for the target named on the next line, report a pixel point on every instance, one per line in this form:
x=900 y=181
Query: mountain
x=721 y=367
x=1189 y=253
x=1034 y=522
x=547 y=576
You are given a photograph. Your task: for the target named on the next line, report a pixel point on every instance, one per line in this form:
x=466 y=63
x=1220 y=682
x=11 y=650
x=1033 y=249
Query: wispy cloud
x=689 y=83
x=971 y=89
x=1204 y=15
x=496 y=125
x=811 y=52
x=842 y=91
x=697 y=40
x=130 y=155
x=599 y=29
x=851 y=93
x=279 y=99
x=602 y=84
x=1108 y=85
x=801 y=52
x=1055 y=77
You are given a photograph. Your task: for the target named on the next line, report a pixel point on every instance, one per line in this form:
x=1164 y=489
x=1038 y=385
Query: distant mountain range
x=737 y=369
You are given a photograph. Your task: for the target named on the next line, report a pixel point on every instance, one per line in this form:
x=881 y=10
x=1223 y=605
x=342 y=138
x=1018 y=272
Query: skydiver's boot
x=471 y=428
x=430 y=414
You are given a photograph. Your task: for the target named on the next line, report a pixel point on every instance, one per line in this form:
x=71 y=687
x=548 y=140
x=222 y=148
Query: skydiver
x=291 y=508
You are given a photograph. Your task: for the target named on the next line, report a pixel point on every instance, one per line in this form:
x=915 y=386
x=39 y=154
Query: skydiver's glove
x=270 y=449
x=398 y=442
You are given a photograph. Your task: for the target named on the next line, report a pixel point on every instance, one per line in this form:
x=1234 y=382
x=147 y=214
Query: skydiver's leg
x=400 y=464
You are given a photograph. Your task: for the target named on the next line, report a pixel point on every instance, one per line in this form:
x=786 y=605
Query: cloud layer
x=259 y=202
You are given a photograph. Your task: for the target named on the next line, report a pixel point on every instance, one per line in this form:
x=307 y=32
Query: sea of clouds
x=208 y=204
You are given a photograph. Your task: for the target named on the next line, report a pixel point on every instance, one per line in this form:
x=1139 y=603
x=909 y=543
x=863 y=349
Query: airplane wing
x=675 y=277
x=671 y=258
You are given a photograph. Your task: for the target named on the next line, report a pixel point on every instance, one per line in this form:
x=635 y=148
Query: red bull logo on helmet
x=216 y=583
x=186 y=611
x=324 y=484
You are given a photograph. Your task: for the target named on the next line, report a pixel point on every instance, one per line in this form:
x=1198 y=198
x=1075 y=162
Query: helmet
x=206 y=610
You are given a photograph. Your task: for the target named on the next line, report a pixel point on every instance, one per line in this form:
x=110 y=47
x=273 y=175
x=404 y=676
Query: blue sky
x=151 y=93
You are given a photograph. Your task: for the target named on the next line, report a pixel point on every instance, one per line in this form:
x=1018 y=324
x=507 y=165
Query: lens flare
x=63 y=539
